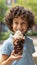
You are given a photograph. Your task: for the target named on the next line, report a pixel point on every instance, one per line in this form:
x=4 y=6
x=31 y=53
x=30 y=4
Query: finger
x=15 y=43
x=12 y=53
x=18 y=57
x=19 y=52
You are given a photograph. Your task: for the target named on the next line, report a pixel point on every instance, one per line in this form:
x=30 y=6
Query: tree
x=29 y=4
x=3 y=9
x=33 y=6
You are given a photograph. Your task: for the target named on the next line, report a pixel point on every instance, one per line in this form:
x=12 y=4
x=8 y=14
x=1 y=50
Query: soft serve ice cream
x=18 y=41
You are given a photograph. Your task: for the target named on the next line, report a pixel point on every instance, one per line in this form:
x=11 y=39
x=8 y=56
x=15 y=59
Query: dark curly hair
x=19 y=11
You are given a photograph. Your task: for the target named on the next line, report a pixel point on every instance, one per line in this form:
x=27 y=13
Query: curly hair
x=19 y=11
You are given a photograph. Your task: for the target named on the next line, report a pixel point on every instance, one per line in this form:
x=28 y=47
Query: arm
x=6 y=60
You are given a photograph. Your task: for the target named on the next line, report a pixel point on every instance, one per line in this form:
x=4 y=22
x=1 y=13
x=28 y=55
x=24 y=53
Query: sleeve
x=31 y=46
x=5 y=48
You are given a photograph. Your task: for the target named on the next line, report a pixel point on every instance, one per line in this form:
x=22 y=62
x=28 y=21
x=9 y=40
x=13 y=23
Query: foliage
x=29 y=4
x=3 y=8
x=4 y=35
x=32 y=34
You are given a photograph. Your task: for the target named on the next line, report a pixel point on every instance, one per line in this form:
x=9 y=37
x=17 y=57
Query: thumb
x=12 y=53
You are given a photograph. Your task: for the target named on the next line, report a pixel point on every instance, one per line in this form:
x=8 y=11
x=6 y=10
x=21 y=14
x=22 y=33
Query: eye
x=16 y=22
x=23 y=23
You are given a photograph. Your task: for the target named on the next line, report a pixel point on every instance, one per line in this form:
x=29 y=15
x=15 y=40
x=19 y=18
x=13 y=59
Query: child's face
x=19 y=24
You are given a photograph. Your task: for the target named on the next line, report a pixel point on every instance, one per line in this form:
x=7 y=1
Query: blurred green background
x=4 y=7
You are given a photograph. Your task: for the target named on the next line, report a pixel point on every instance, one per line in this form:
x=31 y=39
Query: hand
x=15 y=57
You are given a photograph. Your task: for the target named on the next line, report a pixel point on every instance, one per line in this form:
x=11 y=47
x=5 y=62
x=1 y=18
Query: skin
x=18 y=24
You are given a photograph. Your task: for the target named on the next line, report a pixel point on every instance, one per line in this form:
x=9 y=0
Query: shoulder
x=7 y=47
x=29 y=39
x=30 y=44
x=7 y=41
x=7 y=44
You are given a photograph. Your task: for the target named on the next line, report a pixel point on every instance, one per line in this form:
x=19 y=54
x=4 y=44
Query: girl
x=18 y=19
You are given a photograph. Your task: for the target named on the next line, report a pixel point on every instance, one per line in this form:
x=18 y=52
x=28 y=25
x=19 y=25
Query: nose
x=19 y=27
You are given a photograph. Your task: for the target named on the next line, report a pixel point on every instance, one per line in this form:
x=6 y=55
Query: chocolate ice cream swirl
x=18 y=41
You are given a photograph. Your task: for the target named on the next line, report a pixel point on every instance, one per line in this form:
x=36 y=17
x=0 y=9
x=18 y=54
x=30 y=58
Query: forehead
x=19 y=19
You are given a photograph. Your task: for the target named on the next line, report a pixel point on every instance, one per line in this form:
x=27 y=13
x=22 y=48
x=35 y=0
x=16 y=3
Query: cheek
x=24 y=28
x=14 y=27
